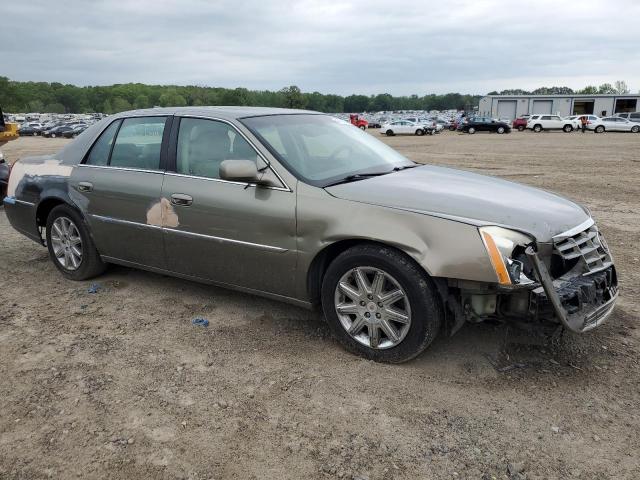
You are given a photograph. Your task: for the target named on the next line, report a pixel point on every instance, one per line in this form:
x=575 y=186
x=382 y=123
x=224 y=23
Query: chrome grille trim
x=586 y=244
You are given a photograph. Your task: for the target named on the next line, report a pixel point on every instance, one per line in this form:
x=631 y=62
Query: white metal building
x=512 y=106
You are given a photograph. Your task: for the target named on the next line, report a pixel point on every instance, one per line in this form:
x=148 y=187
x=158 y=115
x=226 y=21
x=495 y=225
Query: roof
x=228 y=113
x=566 y=95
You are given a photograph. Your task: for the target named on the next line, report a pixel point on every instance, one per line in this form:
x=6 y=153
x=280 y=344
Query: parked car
x=632 y=116
x=613 y=124
x=520 y=123
x=538 y=123
x=4 y=175
x=400 y=127
x=27 y=130
x=75 y=131
x=56 y=131
x=485 y=124
x=302 y=207
x=358 y=121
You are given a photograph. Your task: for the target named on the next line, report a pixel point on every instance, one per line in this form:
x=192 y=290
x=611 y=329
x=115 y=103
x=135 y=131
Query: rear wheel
x=53 y=135
x=537 y=128
x=521 y=128
x=599 y=129
x=389 y=133
x=380 y=304
x=70 y=246
x=567 y=128
x=500 y=130
x=419 y=132
x=362 y=127
x=471 y=130
x=635 y=129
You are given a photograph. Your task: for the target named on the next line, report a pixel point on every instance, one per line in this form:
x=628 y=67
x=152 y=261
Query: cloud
x=345 y=47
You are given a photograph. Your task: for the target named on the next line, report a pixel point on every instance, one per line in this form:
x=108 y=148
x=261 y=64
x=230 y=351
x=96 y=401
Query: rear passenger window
x=138 y=143
x=99 y=154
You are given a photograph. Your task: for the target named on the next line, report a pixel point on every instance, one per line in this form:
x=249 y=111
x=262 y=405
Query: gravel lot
x=119 y=383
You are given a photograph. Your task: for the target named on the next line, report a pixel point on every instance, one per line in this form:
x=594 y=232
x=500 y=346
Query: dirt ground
x=119 y=383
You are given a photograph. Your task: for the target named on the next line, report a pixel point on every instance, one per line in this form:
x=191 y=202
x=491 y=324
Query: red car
x=520 y=123
x=358 y=122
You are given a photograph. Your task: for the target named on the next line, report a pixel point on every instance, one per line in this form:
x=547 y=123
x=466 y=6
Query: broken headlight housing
x=502 y=244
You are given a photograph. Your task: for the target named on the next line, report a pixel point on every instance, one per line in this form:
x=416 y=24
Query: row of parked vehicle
x=621 y=122
x=53 y=130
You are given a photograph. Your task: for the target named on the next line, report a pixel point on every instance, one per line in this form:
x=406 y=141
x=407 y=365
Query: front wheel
x=599 y=129
x=500 y=130
x=380 y=304
x=521 y=128
x=389 y=133
x=471 y=130
x=567 y=128
x=70 y=246
x=53 y=135
x=362 y=127
x=537 y=128
x=419 y=132
x=635 y=129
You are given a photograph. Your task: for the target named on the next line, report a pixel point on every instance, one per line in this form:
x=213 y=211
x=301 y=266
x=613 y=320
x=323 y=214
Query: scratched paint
x=162 y=214
x=47 y=168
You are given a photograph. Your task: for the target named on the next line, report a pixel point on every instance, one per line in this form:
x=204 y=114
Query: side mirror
x=241 y=171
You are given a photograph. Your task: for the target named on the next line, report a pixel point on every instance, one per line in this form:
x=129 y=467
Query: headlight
x=500 y=244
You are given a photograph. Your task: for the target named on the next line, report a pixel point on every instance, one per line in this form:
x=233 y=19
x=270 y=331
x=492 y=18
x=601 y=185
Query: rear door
x=118 y=187
x=227 y=232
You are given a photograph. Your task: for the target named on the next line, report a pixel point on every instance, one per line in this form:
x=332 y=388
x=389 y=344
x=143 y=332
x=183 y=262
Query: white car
x=538 y=122
x=402 y=127
x=632 y=117
x=613 y=124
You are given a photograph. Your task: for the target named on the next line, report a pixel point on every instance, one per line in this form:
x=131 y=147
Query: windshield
x=321 y=150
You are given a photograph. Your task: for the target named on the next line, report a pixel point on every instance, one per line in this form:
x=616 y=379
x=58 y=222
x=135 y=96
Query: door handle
x=181 y=199
x=85 y=186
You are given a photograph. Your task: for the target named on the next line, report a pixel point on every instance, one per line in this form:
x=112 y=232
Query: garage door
x=507 y=109
x=542 y=106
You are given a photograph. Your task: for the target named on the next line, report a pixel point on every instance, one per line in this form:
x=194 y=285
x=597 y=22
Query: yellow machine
x=8 y=131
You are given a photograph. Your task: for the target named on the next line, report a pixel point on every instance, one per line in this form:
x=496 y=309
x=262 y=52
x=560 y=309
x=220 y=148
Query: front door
x=118 y=188
x=227 y=232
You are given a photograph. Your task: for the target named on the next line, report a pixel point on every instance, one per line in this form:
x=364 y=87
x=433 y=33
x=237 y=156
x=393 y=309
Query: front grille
x=587 y=246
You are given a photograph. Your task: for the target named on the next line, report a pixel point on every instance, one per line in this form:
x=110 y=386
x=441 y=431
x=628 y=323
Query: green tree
x=54 y=108
x=588 y=90
x=606 y=88
x=621 y=87
x=293 y=97
x=141 y=101
x=120 y=105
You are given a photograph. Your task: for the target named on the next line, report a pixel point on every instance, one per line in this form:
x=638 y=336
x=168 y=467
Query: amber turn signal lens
x=496 y=259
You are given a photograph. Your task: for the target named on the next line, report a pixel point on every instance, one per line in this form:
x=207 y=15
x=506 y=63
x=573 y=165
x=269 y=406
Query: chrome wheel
x=372 y=307
x=67 y=243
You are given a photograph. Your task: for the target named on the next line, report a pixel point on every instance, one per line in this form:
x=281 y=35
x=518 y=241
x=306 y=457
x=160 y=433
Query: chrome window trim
x=253 y=145
x=24 y=202
x=244 y=184
x=259 y=246
x=126 y=169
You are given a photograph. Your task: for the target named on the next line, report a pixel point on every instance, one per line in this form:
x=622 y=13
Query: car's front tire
x=500 y=130
x=567 y=128
x=635 y=129
x=389 y=133
x=70 y=246
x=471 y=130
x=380 y=304
x=537 y=128
x=419 y=132
x=599 y=129
x=521 y=128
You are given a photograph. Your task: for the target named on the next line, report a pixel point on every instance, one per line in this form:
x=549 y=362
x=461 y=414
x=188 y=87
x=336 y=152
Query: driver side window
x=204 y=144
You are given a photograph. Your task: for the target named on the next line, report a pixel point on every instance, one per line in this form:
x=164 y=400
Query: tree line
x=60 y=98
x=618 y=88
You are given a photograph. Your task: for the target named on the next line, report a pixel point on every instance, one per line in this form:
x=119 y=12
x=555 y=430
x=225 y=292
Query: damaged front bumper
x=580 y=302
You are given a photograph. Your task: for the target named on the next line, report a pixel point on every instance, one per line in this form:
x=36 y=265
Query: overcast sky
x=344 y=47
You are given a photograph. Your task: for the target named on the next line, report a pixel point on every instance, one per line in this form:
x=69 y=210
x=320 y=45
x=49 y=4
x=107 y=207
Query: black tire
x=452 y=128
x=500 y=130
x=635 y=129
x=421 y=292
x=471 y=130
x=567 y=128
x=419 y=132
x=91 y=265
x=53 y=135
x=362 y=127
x=537 y=128
x=389 y=133
x=599 y=129
x=521 y=128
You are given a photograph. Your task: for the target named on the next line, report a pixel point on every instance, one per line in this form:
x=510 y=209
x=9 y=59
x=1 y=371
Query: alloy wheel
x=372 y=307
x=67 y=243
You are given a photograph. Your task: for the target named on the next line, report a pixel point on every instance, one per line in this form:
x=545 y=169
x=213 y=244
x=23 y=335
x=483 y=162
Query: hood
x=468 y=197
